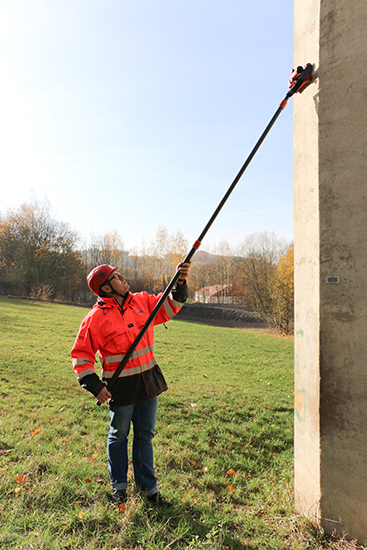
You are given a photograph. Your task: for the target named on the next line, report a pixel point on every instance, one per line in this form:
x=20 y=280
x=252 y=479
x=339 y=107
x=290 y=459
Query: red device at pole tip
x=300 y=78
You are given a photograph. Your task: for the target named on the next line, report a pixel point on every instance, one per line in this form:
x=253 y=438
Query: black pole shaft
x=240 y=173
x=112 y=383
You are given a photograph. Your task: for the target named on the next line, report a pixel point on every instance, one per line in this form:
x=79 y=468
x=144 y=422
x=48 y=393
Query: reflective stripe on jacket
x=109 y=330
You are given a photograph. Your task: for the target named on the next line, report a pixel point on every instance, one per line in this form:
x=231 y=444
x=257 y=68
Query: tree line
x=41 y=257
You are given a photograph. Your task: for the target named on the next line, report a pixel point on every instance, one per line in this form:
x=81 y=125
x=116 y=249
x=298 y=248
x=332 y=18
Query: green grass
x=229 y=406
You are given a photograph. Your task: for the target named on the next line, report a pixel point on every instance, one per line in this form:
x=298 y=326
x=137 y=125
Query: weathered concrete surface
x=330 y=170
x=307 y=266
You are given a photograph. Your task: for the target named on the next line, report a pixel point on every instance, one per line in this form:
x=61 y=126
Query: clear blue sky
x=130 y=114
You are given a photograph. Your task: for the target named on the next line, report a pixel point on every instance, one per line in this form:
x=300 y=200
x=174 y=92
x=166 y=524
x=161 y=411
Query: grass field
x=223 y=446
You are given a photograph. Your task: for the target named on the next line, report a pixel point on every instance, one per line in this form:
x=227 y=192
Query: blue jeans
x=143 y=416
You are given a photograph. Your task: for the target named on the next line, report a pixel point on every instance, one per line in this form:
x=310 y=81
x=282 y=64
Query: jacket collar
x=105 y=302
x=110 y=302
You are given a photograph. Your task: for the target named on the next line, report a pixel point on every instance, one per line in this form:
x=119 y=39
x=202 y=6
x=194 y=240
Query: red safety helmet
x=98 y=276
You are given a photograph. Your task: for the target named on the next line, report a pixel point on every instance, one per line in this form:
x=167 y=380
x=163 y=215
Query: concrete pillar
x=330 y=176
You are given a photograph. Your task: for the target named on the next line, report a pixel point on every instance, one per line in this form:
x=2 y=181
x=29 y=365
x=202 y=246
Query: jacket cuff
x=180 y=293
x=92 y=383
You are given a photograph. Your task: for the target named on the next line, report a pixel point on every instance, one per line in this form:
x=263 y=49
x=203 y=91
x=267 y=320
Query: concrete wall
x=330 y=172
x=307 y=266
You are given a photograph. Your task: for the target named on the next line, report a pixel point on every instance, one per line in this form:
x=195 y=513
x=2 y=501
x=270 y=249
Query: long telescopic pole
x=300 y=81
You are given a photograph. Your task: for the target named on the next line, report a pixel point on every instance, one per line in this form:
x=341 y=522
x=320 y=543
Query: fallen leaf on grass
x=36 y=431
x=230 y=472
x=122 y=508
x=81 y=515
x=98 y=479
x=22 y=479
x=17 y=489
x=231 y=489
x=88 y=480
x=194 y=405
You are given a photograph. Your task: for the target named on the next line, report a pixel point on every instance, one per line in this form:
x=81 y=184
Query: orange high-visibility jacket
x=109 y=330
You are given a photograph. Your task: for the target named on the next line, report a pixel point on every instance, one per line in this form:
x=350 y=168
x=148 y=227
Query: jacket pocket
x=116 y=339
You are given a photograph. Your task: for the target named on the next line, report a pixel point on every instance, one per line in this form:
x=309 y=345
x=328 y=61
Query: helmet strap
x=113 y=291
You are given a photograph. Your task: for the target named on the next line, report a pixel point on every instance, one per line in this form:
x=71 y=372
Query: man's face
x=118 y=283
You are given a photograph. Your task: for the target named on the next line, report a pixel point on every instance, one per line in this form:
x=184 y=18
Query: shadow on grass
x=196 y=533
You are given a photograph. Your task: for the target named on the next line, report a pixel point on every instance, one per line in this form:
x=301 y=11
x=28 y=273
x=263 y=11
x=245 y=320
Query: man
x=109 y=329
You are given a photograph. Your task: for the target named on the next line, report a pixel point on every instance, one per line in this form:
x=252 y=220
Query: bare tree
x=260 y=254
x=38 y=254
x=223 y=270
x=106 y=249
